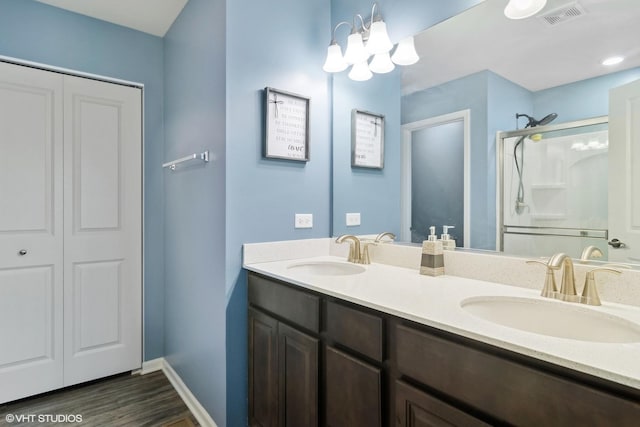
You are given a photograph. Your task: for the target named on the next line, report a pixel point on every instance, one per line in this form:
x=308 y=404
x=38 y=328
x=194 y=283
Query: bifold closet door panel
x=103 y=232
x=31 y=234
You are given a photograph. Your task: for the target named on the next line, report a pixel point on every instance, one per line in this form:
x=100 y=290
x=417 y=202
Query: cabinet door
x=31 y=233
x=353 y=391
x=415 y=408
x=263 y=370
x=298 y=378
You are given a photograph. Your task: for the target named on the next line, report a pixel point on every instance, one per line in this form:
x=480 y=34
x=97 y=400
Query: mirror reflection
x=489 y=68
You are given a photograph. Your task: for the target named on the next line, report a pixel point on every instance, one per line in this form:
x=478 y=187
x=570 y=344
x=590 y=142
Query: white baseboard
x=198 y=411
x=151 y=366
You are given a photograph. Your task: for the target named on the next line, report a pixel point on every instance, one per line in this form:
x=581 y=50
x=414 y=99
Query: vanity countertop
x=435 y=302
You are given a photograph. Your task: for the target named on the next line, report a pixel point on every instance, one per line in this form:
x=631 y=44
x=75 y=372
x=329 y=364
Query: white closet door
x=103 y=246
x=31 y=235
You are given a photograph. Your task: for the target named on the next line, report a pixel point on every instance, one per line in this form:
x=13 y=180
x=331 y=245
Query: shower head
x=533 y=122
x=546 y=119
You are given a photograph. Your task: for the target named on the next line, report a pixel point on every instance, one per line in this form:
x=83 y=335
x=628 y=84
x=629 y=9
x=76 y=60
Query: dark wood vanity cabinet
x=316 y=360
x=505 y=388
x=283 y=358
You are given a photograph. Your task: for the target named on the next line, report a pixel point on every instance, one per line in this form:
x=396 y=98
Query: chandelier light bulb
x=335 y=62
x=379 y=41
x=381 y=63
x=355 y=52
x=360 y=72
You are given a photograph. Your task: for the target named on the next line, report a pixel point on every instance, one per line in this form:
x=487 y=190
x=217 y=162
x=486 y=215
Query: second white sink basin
x=552 y=318
x=327 y=268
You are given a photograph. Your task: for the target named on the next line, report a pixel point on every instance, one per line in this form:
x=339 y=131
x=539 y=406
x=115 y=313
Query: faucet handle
x=365 y=258
x=549 y=289
x=590 y=290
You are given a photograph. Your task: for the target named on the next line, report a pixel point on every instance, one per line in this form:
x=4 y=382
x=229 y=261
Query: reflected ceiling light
x=520 y=9
x=360 y=72
x=613 y=60
x=405 y=53
x=381 y=63
x=365 y=41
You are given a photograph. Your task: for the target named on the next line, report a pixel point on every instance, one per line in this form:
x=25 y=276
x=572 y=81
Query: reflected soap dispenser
x=447 y=242
x=432 y=263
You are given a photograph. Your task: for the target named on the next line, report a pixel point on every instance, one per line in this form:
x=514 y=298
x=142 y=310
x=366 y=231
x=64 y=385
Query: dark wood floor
x=123 y=400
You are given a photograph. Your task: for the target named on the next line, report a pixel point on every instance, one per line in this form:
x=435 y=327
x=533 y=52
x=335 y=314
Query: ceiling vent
x=563 y=14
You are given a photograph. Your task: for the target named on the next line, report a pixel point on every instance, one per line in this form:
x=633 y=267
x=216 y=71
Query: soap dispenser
x=432 y=263
x=447 y=242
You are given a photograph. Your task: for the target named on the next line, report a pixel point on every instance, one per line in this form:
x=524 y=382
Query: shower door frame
x=500 y=137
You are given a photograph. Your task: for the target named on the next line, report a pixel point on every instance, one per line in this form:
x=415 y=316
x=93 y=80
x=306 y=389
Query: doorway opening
x=435 y=177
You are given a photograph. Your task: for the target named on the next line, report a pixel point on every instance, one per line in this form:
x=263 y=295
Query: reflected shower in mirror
x=553 y=189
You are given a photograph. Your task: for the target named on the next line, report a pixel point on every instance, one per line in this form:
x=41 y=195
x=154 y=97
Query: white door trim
x=405 y=178
x=45 y=67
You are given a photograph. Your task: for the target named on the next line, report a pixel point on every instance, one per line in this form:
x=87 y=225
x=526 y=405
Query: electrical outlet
x=304 y=221
x=353 y=219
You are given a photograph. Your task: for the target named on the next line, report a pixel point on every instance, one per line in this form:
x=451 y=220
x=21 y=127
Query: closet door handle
x=22 y=252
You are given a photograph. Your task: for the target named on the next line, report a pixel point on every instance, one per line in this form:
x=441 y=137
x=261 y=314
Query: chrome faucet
x=354 y=247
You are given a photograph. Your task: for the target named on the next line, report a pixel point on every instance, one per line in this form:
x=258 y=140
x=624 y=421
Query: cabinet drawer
x=299 y=307
x=355 y=329
x=510 y=391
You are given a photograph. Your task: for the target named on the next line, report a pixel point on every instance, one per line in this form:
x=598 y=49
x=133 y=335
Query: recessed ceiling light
x=613 y=60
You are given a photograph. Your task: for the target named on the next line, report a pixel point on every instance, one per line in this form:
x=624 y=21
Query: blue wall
x=37 y=32
x=375 y=194
x=583 y=99
x=195 y=203
x=279 y=44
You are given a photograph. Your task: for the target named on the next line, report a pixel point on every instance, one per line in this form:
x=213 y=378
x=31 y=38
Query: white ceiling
x=150 y=16
x=528 y=52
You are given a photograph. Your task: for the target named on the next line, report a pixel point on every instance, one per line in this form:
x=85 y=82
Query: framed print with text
x=367 y=139
x=287 y=125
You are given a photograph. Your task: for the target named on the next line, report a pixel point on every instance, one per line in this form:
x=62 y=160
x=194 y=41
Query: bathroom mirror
x=493 y=67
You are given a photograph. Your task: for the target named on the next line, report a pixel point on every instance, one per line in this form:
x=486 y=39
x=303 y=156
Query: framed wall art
x=367 y=139
x=286 y=125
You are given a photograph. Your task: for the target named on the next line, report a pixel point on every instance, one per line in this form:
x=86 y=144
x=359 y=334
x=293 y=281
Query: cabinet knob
x=22 y=252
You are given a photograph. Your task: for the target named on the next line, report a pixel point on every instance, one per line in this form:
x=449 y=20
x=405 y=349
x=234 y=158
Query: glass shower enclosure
x=552 y=188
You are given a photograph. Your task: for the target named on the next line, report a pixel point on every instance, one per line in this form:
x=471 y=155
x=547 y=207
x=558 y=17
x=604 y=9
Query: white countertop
x=435 y=302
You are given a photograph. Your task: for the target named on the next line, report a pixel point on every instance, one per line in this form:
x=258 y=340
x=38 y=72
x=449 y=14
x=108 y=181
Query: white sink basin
x=553 y=318
x=327 y=268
